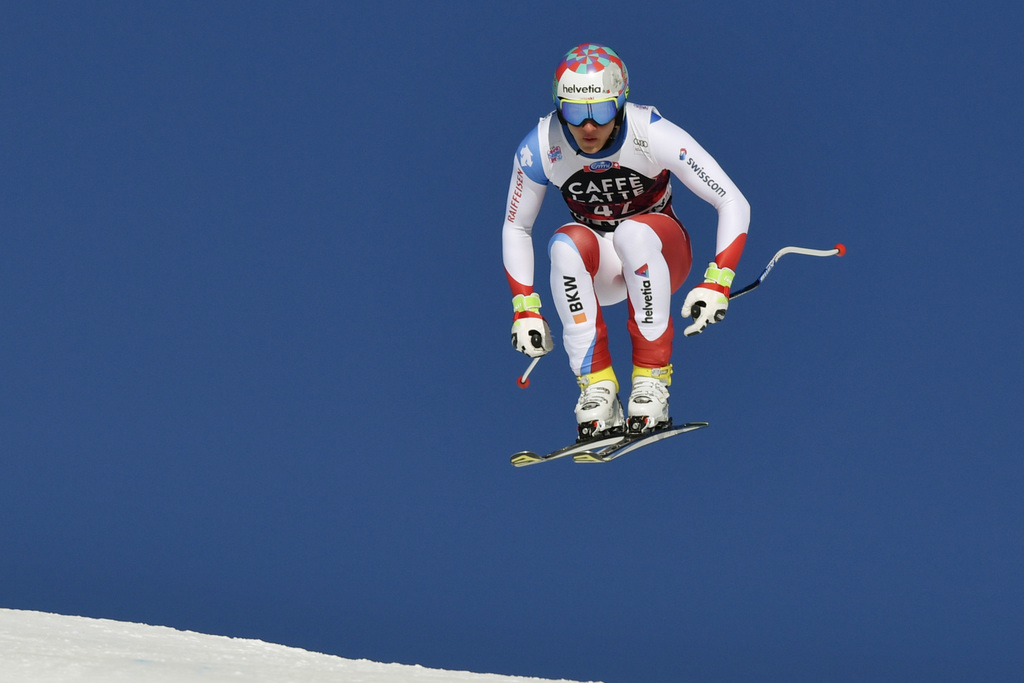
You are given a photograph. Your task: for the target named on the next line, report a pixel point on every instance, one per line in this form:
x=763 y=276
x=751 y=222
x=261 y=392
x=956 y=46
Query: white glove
x=705 y=303
x=532 y=336
x=530 y=332
x=706 y=306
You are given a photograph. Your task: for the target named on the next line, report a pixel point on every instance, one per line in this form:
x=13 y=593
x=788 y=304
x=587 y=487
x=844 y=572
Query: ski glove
x=530 y=332
x=708 y=301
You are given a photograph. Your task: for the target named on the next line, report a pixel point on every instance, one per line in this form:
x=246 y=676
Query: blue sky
x=255 y=362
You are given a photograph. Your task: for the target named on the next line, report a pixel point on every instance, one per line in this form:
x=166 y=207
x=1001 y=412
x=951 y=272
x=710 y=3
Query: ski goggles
x=575 y=112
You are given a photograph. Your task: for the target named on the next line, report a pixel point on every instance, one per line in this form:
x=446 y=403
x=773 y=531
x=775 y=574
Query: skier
x=612 y=160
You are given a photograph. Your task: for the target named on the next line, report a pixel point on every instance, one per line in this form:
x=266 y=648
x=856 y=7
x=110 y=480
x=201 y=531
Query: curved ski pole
x=838 y=250
x=523 y=381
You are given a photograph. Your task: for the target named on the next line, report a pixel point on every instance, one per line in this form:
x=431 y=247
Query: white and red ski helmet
x=590 y=72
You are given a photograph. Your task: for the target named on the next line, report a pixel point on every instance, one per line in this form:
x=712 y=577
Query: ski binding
x=631 y=441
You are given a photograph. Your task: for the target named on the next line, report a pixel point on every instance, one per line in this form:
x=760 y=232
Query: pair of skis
x=605 y=448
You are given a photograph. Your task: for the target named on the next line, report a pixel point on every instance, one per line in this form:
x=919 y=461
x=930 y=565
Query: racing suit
x=624 y=241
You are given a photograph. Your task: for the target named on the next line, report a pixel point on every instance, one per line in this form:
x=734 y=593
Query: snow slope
x=47 y=648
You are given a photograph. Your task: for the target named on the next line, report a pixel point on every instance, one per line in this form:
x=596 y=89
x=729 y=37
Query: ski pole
x=524 y=381
x=838 y=250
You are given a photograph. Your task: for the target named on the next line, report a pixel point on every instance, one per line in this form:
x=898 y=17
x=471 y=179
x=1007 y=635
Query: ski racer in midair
x=612 y=161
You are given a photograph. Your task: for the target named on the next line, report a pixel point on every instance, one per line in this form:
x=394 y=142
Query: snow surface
x=36 y=647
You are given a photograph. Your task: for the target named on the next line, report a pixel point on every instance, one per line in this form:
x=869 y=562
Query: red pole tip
x=523 y=383
x=841 y=250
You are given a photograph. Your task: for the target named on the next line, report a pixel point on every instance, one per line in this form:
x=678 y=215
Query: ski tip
x=840 y=250
x=523 y=458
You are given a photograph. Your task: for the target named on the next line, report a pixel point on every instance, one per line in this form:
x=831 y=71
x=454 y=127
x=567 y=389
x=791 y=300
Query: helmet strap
x=620 y=117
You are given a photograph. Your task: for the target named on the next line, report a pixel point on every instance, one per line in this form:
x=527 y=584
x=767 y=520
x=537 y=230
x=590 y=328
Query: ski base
x=523 y=458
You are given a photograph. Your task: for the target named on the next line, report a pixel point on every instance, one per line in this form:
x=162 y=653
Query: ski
x=524 y=458
x=605 y=448
x=630 y=442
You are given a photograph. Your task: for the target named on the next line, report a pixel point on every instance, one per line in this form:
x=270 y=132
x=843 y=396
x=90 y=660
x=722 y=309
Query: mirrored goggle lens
x=575 y=113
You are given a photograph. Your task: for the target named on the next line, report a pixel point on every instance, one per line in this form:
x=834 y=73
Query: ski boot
x=648 y=401
x=598 y=411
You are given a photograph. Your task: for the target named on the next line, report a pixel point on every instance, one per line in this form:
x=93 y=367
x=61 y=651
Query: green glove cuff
x=719 y=276
x=522 y=303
